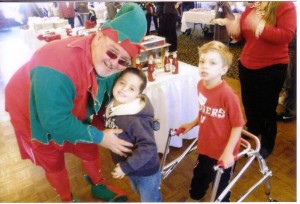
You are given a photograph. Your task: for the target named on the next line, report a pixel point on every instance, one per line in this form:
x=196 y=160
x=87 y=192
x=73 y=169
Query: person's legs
x=224 y=181
x=90 y=159
x=270 y=81
x=155 y=22
x=60 y=182
x=170 y=31
x=248 y=91
x=203 y=175
x=147 y=187
x=71 y=22
x=161 y=24
x=260 y=92
x=52 y=161
x=148 y=18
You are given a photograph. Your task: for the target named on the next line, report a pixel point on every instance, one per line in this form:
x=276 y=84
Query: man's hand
x=112 y=142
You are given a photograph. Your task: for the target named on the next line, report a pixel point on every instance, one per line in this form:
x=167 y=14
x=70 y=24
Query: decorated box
x=151 y=41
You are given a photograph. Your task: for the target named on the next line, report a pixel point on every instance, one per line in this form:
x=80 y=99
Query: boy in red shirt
x=220 y=121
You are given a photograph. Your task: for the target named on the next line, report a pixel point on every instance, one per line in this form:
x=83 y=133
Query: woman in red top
x=151 y=14
x=267 y=28
x=67 y=11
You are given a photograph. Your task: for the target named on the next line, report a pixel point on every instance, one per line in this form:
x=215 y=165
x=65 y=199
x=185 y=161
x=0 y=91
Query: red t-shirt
x=219 y=112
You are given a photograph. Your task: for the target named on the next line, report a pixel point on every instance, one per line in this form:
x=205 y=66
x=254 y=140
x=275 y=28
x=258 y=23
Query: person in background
x=160 y=13
x=132 y=112
x=208 y=30
x=223 y=10
x=56 y=100
x=66 y=10
x=53 y=10
x=290 y=85
x=220 y=121
x=186 y=6
x=82 y=12
x=170 y=20
x=112 y=8
x=267 y=29
x=92 y=16
x=151 y=14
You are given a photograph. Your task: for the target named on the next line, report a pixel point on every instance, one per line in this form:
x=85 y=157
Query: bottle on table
x=167 y=62
x=157 y=61
x=175 y=69
x=150 y=70
x=138 y=63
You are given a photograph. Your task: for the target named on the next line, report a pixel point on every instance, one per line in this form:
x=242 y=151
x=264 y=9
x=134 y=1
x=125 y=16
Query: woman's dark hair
x=136 y=72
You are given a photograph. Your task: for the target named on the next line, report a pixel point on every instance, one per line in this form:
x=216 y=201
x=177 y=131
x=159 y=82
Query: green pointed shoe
x=106 y=192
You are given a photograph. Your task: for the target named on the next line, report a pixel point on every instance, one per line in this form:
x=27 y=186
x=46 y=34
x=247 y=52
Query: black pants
x=204 y=174
x=168 y=30
x=260 y=91
x=149 y=18
x=160 y=17
x=71 y=21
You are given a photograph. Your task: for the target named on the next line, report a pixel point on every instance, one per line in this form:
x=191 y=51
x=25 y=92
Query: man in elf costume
x=55 y=101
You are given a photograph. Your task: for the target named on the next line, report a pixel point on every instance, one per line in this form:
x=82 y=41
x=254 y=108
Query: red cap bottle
x=150 y=69
x=175 y=64
x=167 y=63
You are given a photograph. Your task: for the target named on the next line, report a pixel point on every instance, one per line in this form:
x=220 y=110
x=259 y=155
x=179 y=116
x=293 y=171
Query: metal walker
x=251 y=154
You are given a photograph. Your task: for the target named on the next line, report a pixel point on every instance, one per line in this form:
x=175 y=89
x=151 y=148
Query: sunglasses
x=113 y=55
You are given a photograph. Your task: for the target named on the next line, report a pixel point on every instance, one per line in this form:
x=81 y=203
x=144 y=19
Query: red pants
x=51 y=159
x=51 y=156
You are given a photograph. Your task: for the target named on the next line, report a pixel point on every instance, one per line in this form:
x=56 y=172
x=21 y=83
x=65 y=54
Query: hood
x=140 y=106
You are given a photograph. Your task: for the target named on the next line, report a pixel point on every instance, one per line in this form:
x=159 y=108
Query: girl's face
x=127 y=88
x=211 y=68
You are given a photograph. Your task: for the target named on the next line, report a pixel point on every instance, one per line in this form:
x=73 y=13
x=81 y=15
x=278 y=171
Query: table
x=174 y=98
x=196 y=16
x=38 y=26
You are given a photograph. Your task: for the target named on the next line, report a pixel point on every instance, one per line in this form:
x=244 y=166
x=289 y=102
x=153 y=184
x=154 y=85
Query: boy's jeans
x=147 y=187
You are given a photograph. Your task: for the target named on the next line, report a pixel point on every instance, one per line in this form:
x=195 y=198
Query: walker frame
x=252 y=155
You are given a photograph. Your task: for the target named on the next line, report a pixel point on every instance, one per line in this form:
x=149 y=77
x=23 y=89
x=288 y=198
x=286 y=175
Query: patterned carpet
x=188 y=50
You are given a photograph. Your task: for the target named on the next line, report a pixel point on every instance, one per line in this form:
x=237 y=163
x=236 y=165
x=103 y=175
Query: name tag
x=202 y=99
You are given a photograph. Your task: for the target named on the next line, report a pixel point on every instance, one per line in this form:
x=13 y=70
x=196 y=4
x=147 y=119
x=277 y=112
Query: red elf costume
x=52 y=97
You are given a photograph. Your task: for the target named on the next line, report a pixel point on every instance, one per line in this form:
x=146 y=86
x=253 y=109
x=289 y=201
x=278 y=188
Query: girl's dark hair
x=136 y=72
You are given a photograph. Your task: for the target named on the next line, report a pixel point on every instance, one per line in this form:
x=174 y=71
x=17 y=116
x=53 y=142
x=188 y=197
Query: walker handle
x=179 y=131
x=221 y=164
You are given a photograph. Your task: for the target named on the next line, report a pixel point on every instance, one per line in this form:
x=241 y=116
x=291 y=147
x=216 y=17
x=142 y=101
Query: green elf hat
x=127 y=28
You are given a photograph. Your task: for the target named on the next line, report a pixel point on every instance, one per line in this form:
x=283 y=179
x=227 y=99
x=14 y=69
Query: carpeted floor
x=188 y=50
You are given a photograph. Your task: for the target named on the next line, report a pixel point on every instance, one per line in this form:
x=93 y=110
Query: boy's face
x=211 y=67
x=127 y=88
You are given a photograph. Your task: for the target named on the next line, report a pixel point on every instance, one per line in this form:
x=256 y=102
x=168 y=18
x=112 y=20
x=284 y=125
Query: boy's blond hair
x=219 y=47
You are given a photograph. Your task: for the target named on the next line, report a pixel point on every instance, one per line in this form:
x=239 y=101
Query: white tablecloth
x=30 y=35
x=39 y=26
x=174 y=98
x=189 y=18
